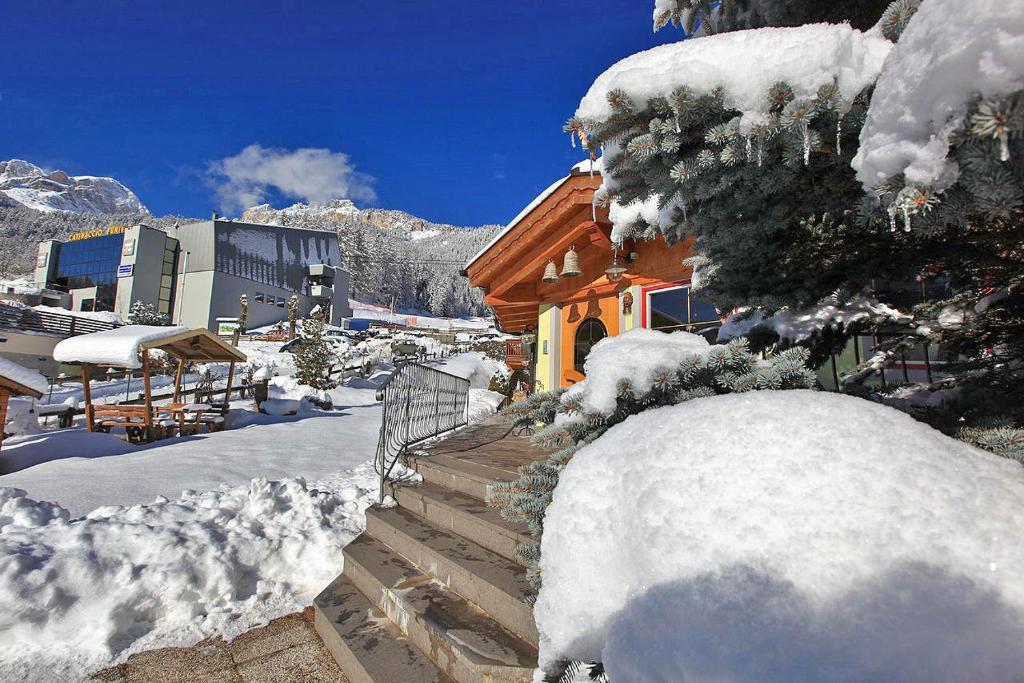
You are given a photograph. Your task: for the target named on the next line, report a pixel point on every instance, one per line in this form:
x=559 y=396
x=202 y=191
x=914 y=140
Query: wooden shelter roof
x=16 y=388
x=197 y=345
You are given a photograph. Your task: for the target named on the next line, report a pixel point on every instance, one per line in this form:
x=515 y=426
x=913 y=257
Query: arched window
x=588 y=333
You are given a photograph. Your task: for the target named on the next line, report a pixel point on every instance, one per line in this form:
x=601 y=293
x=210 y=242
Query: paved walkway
x=287 y=650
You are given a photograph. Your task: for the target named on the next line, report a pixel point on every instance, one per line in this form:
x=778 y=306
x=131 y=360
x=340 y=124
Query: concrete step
x=473 y=479
x=490 y=581
x=463 y=515
x=458 y=637
x=367 y=646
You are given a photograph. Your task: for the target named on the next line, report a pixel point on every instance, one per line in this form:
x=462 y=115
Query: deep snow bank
x=785 y=536
x=75 y=595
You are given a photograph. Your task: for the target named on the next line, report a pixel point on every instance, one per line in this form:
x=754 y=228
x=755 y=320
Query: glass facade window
x=675 y=309
x=91 y=262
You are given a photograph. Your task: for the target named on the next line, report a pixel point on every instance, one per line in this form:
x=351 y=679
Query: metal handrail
x=418 y=403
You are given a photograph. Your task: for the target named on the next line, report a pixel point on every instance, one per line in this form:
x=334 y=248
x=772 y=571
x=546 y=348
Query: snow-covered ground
x=107 y=548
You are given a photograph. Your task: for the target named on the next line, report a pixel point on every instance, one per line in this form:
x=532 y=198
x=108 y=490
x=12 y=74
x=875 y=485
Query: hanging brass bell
x=550 y=273
x=571 y=264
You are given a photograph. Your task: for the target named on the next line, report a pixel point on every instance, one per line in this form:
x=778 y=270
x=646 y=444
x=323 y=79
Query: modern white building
x=196 y=273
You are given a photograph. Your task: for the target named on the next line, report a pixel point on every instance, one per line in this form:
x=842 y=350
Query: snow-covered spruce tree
x=314 y=357
x=758 y=170
x=733 y=141
x=945 y=169
x=142 y=313
x=713 y=16
x=569 y=424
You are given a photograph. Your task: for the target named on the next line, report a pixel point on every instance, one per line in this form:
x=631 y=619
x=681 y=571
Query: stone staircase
x=431 y=591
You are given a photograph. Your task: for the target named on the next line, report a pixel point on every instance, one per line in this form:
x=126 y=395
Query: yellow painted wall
x=547 y=320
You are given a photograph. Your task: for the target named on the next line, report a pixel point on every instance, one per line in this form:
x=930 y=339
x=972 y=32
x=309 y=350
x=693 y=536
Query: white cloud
x=310 y=174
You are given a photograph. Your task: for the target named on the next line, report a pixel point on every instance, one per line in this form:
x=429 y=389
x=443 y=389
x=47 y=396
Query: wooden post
x=5 y=396
x=87 y=394
x=149 y=395
x=227 y=391
x=177 y=379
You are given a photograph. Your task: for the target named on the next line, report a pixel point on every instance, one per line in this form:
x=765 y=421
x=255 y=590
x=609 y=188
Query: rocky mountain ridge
x=342 y=212
x=30 y=186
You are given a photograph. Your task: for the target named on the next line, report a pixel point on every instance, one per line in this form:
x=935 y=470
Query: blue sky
x=449 y=109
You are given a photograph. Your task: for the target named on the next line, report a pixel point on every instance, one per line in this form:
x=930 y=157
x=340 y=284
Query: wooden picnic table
x=181 y=411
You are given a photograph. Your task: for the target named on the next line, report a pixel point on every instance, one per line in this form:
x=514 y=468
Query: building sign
x=226 y=326
x=126 y=270
x=98 y=232
x=129 y=247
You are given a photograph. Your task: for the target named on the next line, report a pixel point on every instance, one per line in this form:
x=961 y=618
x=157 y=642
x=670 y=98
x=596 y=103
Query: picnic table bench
x=133 y=420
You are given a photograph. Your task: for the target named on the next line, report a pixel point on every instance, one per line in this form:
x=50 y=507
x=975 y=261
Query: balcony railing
x=514 y=357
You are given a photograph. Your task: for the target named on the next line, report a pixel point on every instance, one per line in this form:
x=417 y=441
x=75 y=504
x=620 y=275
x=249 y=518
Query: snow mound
x=785 y=536
x=118 y=347
x=637 y=356
x=746 y=64
x=24 y=376
x=77 y=593
x=483 y=403
x=938 y=67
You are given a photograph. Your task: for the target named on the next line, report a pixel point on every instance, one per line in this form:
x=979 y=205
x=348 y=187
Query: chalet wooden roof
x=509 y=269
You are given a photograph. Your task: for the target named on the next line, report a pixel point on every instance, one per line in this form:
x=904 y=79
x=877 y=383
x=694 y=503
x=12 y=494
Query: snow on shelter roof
x=745 y=64
x=120 y=347
x=585 y=166
x=21 y=380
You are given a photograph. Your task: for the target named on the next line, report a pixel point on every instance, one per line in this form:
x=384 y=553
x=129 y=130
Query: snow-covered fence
x=44 y=322
x=418 y=402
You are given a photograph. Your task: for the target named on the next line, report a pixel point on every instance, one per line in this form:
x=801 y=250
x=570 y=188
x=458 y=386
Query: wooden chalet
x=561 y=318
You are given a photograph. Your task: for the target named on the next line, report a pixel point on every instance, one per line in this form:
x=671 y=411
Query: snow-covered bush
x=785 y=536
x=625 y=375
x=142 y=313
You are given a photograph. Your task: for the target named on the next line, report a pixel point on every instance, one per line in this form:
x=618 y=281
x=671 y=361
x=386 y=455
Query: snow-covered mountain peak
x=31 y=186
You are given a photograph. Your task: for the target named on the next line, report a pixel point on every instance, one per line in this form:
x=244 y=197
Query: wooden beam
x=177 y=379
x=87 y=395
x=5 y=396
x=575 y=235
x=149 y=395
x=574 y=192
x=227 y=392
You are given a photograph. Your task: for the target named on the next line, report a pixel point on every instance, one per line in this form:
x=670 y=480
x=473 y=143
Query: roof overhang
x=509 y=269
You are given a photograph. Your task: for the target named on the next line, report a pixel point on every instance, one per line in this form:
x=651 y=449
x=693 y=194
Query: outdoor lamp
x=616 y=270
